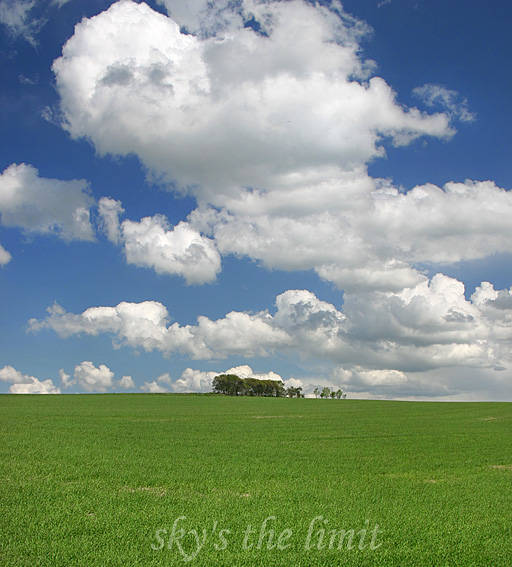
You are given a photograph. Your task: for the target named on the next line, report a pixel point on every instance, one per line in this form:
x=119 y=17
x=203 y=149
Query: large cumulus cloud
x=271 y=131
x=237 y=109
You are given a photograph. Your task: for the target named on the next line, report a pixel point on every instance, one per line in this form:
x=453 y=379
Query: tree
x=292 y=392
x=325 y=393
x=316 y=391
x=232 y=385
x=339 y=394
x=333 y=394
x=228 y=384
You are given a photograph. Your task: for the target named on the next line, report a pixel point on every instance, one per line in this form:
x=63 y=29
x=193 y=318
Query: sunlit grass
x=88 y=480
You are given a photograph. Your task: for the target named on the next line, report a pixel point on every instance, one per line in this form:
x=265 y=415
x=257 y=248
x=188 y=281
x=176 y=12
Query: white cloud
x=109 y=211
x=65 y=378
x=360 y=234
x=240 y=109
x=15 y=15
x=45 y=206
x=153 y=243
x=272 y=134
x=385 y=339
x=178 y=250
x=5 y=256
x=446 y=99
x=194 y=381
x=293 y=383
x=201 y=381
x=126 y=383
x=25 y=18
x=154 y=388
x=91 y=378
x=25 y=384
x=146 y=325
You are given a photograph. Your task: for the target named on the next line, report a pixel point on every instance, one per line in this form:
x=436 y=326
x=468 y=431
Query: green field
x=103 y=479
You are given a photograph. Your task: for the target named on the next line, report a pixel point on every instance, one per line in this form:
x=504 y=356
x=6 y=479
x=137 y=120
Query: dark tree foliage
x=232 y=385
x=292 y=392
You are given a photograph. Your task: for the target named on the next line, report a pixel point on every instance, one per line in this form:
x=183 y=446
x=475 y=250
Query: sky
x=312 y=192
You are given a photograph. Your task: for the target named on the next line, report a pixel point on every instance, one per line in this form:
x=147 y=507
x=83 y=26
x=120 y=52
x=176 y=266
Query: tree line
x=327 y=393
x=233 y=385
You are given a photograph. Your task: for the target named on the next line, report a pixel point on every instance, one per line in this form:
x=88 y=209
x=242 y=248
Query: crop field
x=153 y=480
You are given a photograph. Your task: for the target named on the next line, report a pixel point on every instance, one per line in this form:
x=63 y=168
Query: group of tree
x=233 y=385
x=327 y=393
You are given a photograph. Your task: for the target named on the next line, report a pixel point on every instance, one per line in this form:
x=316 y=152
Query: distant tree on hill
x=292 y=392
x=325 y=393
x=228 y=384
x=232 y=385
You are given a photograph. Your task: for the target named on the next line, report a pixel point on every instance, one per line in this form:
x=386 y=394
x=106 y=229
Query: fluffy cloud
x=180 y=250
x=5 y=256
x=194 y=381
x=126 y=383
x=146 y=325
x=237 y=109
x=201 y=381
x=272 y=132
x=25 y=384
x=153 y=243
x=92 y=379
x=45 y=206
x=428 y=327
x=358 y=239
x=156 y=387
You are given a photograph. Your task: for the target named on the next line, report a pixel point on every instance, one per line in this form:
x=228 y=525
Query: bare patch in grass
x=158 y=490
x=502 y=467
x=149 y=420
x=274 y=416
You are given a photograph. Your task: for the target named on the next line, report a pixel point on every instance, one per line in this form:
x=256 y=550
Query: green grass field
x=101 y=480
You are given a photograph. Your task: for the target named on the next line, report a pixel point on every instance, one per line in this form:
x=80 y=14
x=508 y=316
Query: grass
x=88 y=480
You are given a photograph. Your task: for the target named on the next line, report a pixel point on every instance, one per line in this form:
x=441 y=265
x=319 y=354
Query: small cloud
x=64 y=378
x=25 y=384
x=48 y=114
x=126 y=383
x=45 y=206
x=93 y=379
x=16 y=16
x=29 y=80
x=109 y=211
x=153 y=243
x=448 y=100
x=5 y=256
x=154 y=388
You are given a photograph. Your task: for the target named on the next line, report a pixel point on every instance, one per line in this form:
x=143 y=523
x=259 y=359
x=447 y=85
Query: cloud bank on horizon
x=268 y=116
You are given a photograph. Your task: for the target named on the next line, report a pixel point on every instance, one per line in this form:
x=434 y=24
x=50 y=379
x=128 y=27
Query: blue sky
x=322 y=196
